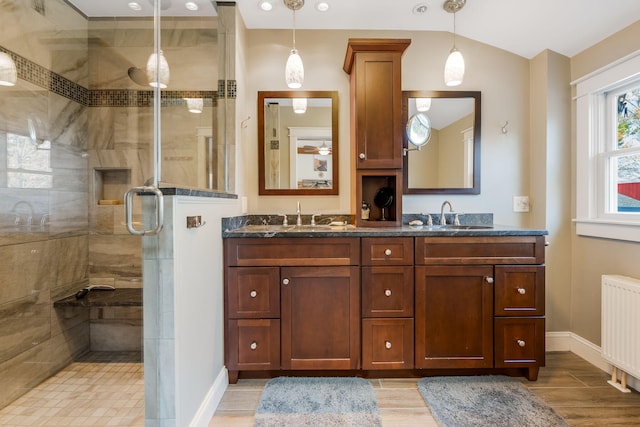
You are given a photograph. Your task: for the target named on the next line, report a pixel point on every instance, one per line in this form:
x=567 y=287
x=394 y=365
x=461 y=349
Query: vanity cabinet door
x=387 y=343
x=519 y=290
x=454 y=317
x=320 y=314
x=387 y=291
x=520 y=342
x=377 y=91
x=387 y=251
x=253 y=344
x=253 y=292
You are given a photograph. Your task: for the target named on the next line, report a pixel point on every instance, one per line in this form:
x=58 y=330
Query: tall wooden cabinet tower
x=374 y=66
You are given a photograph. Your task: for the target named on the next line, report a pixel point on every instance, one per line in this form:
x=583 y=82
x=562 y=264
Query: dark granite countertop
x=104 y=298
x=351 y=231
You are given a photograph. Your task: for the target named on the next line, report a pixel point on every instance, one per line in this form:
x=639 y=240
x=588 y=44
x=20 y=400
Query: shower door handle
x=128 y=204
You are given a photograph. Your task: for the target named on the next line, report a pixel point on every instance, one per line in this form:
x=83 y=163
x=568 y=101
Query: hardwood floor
x=576 y=389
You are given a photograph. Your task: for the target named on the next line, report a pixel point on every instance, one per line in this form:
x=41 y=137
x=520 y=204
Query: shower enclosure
x=80 y=126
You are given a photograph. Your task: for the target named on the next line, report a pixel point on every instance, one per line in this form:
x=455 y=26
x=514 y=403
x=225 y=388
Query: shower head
x=138 y=76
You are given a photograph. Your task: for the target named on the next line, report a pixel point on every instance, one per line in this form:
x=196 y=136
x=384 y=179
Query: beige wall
x=593 y=257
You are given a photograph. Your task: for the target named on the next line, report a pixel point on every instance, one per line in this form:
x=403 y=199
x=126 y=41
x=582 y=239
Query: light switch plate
x=244 y=204
x=521 y=203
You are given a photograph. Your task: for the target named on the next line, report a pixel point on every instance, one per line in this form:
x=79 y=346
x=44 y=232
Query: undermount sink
x=323 y=227
x=460 y=227
x=264 y=228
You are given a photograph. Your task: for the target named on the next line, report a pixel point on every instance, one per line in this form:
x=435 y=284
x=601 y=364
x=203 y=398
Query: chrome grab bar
x=128 y=203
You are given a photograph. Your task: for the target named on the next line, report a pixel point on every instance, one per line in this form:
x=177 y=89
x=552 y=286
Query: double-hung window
x=608 y=152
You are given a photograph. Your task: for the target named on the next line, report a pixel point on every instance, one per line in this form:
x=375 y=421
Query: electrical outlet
x=244 y=204
x=521 y=203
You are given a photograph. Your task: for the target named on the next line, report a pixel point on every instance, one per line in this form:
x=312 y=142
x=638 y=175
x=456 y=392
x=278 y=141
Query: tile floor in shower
x=100 y=389
x=106 y=389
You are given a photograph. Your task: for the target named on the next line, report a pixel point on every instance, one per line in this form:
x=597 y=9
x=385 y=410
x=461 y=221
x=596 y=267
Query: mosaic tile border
x=51 y=81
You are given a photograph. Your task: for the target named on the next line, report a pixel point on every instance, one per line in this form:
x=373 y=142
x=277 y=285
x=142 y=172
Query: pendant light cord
x=294 y=28
x=454 y=30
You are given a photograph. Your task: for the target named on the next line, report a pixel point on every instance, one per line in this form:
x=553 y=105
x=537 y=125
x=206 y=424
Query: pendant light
x=454 y=67
x=194 y=105
x=423 y=104
x=8 y=72
x=158 y=70
x=299 y=105
x=294 y=70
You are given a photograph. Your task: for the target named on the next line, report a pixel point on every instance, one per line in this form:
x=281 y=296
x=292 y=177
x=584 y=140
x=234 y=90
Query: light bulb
x=299 y=105
x=159 y=77
x=454 y=68
x=8 y=72
x=423 y=104
x=294 y=70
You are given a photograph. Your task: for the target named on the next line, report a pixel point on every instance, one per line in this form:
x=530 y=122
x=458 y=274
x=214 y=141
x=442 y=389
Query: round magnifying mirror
x=419 y=129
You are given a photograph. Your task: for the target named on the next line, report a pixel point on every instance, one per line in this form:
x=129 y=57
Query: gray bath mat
x=331 y=401
x=496 y=401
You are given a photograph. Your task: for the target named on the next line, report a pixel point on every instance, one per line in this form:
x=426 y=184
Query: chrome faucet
x=443 y=220
x=299 y=219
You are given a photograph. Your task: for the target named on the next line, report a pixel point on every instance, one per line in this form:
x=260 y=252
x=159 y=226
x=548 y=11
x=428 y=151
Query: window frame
x=594 y=123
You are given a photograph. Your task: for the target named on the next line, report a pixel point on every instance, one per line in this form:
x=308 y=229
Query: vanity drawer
x=292 y=251
x=387 y=291
x=253 y=292
x=387 y=251
x=387 y=343
x=456 y=250
x=519 y=290
x=254 y=344
x=519 y=342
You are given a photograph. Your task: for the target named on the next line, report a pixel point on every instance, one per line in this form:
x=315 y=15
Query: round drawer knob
x=522 y=291
x=521 y=343
x=387 y=252
x=387 y=292
x=253 y=345
x=253 y=294
x=489 y=279
x=362 y=156
x=387 y=344
x=285 y=281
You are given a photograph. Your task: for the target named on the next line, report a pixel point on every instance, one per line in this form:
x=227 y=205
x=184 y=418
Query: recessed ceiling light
x=420 y=9
x=135 y=6
x=265 y=5
x=322 y=6
x=191 y=5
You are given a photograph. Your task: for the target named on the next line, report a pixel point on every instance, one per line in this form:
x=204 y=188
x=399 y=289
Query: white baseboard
x=568 y=341
x=211 y=401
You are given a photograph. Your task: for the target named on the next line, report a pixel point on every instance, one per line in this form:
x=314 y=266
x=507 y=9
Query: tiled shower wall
x=73 y=91
x=44 y=242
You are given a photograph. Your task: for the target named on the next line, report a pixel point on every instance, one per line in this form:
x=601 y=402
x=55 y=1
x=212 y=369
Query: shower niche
x=110 y=184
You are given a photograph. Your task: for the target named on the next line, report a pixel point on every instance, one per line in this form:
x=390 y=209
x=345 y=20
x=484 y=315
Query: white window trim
x=589 y=132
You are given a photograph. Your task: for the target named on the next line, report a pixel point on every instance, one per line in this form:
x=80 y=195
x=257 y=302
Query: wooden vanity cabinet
x=387 y=303
x=480 y=302
x=292 y=303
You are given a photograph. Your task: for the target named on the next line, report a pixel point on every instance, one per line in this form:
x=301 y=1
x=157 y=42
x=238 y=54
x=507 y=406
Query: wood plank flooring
x=106 y=389
x=576 y=389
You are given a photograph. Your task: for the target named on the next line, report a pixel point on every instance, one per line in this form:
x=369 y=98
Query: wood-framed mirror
x=449 y=163
x=298 y=150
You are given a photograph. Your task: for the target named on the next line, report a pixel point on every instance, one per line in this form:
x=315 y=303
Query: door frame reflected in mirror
x=262 y=140
x=407 y=96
